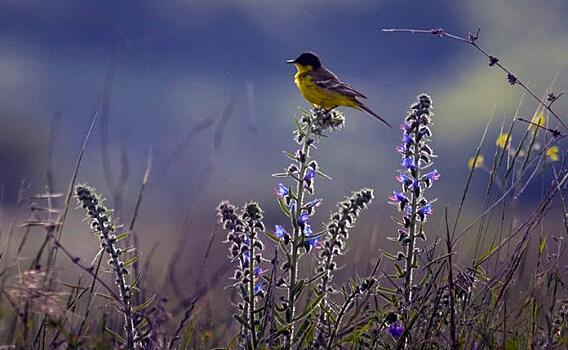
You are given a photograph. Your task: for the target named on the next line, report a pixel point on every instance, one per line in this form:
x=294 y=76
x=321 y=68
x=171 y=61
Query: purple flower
x=311 y=242
x=281 y=191
x=398 y=197
x=432 y=176
x=404 y=179
x=303 y=218
x=279 y=231
x=407 y=164
x=424 y=211
x=258 y=288
x=308 y=231
x=415 y=184
x=406 y=138
x=395 y=329
x=258 y=271
x=310 y=174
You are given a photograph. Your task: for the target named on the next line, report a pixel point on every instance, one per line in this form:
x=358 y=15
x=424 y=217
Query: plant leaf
x=310 y=308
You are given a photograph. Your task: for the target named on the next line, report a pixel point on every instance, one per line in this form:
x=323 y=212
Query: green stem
x=297 y=239
x=409 y=266
x=251 y=289
x=339 y=320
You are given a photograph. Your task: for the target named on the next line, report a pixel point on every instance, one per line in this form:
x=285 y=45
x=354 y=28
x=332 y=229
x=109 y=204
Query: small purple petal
x=281 y=191
x=310 y=174
x=407 y=163
x=397 y=197
x=425 y=210
x=432 y=176
x=258 y=288
x=395 y=330
x=307 y=230
x=303 y=218
x=279 y=231
x=403 y=178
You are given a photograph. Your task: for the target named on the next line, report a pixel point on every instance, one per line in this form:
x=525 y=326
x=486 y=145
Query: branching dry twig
x=513 y=79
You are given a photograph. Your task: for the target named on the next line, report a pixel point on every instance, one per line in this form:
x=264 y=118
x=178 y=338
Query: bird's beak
x=291 y=61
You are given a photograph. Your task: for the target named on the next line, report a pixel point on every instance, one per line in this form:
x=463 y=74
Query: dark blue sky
x=180 y=62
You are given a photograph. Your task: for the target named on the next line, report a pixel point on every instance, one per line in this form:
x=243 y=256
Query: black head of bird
x=307 y=59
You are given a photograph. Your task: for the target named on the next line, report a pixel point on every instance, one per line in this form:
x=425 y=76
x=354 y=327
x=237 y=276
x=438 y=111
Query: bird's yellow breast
x=317 y=95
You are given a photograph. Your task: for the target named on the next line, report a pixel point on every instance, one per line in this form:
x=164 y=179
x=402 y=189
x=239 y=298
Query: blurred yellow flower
x=503 y=140
x=553 y=153
x=473 y=163
x=538 y=119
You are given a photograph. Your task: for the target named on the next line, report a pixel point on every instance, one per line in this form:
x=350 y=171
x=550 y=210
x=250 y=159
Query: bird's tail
x=368 y=110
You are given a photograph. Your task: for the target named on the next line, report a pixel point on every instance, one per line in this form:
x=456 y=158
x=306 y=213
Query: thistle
x=246 y=248
x=334 y=244
x=102 y=225
x=303 y=171
x=415 y=177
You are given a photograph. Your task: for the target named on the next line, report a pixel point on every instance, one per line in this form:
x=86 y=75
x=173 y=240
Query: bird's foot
x=326 y=111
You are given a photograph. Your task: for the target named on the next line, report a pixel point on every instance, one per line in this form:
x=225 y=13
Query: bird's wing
x=325 y=79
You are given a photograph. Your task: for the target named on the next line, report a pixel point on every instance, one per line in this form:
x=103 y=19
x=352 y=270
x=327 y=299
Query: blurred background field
x=202 y=86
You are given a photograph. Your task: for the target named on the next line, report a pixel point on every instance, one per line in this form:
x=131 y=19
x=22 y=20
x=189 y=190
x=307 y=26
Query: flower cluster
x=322 y=120
x=395 y=330
x=299 y=237
x=416 y=176
x=304 y=214
x=338 y=233
x=242 y=234
x=243 y=228
x=101 y=223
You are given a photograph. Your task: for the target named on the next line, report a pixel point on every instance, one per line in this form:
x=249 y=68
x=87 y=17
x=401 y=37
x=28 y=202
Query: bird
x=322 y=88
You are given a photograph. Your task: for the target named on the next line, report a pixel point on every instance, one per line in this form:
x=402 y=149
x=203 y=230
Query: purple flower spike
x=395 y=330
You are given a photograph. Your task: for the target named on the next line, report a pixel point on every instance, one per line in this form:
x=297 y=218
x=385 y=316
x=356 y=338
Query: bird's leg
x=329 y=109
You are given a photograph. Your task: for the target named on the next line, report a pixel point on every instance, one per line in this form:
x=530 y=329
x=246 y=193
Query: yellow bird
x=322 y=88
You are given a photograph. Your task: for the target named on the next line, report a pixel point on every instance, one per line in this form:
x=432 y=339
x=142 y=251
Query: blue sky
x=180 y=62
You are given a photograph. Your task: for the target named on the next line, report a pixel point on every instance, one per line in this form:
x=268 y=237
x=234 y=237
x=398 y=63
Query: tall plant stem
x=409 y=266
x=297 y=234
